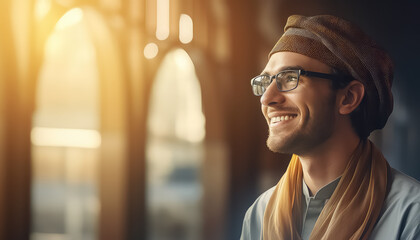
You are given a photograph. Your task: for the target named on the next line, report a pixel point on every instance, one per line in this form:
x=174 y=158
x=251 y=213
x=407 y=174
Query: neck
x=329 y=160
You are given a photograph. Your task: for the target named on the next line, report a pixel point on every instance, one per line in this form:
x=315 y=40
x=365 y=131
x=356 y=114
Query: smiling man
x=325 y=88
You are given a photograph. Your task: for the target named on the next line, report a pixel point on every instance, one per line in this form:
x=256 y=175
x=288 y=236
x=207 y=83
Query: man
x=325 y=88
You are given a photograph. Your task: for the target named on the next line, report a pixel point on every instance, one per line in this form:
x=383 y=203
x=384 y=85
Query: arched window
x=175 y=151
x=65 y=135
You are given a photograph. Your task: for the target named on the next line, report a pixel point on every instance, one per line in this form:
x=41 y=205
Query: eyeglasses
x=286 y=80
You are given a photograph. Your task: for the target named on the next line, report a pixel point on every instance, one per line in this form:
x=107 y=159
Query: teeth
x=282 y=118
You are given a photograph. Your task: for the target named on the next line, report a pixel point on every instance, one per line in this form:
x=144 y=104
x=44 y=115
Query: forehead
x=282 y=60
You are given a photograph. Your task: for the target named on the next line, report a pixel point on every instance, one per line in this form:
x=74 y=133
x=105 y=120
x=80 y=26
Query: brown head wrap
x=343 y=46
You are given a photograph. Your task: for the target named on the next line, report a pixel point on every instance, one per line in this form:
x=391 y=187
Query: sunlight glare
x=185 y=29
x=162 y=19
x=150 y=50
x=182 y=60
x=179 y=112
x=71 y=18
x=42 y=7
x=65 y=137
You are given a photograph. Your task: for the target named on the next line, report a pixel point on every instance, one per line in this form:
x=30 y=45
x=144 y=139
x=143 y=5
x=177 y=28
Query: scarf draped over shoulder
x=352 y=210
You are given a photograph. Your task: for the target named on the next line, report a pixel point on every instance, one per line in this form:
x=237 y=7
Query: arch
x=65 y=123
x=215 y=159
x=176 y=131
x=112 y=124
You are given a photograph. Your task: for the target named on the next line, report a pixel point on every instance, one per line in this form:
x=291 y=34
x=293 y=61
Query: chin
x=278 y=145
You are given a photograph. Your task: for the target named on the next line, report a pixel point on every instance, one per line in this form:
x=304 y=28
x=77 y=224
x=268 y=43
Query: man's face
x=304 y=118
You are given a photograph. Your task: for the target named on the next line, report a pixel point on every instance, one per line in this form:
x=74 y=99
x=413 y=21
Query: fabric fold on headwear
x=343 y=46
x=352 y=210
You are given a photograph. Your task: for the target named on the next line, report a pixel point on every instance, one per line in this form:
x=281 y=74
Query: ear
x=350 y=97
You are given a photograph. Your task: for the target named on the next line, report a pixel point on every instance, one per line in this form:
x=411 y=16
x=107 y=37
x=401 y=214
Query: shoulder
x=252 y=224
x=404 y=180
x=400 y=217
x=404 y=191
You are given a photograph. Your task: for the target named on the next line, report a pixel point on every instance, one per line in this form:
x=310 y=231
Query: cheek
x=301 y=103
x=313 y=106
x=264 y=112
x=323 y=107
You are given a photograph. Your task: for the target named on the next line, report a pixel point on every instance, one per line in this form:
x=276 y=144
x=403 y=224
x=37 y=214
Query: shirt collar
x=324 y=193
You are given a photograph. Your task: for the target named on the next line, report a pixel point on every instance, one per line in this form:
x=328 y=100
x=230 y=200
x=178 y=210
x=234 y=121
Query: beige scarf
x=352 y=211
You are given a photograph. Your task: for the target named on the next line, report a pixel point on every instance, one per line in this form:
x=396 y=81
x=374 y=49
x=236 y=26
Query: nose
x=272 y=95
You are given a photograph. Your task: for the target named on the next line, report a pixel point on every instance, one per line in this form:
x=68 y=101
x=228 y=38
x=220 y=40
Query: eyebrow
x=296 y=67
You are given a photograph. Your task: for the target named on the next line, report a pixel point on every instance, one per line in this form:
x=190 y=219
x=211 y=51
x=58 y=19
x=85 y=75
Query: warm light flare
x=150 y=50
x=65 y=137
x=179 y=113
x=42 y=7
x=71 y=18
x=162 y=19
x=185 y=29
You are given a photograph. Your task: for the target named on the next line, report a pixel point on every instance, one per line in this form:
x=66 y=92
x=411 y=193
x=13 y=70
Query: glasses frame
x=299 y=73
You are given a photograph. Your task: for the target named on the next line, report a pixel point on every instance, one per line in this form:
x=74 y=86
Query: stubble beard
x=307 y=137
x=300 y=142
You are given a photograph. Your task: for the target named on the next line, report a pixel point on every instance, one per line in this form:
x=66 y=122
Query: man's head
x=307 y=110
x=327 y=44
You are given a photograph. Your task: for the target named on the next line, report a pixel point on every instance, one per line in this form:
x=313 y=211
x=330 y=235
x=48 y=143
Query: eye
x=266 y=80
x=291 y=78
x=287 y=80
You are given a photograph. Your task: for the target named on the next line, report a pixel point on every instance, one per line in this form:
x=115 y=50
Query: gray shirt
x=313 y=205
x=399 y=218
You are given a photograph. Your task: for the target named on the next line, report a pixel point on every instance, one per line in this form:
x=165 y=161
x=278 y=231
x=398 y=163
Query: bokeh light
x=150 y=50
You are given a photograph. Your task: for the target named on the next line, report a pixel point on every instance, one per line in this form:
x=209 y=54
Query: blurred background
x=134 y=119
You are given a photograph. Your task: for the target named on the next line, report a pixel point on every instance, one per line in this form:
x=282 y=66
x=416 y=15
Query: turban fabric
x=343 y=46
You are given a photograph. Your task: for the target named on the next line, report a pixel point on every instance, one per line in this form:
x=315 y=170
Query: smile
x=282 y=118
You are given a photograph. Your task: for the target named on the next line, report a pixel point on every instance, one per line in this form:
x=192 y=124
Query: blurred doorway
x=175 y=151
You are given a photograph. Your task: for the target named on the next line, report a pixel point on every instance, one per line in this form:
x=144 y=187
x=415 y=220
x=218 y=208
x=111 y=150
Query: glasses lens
x=260 y=84
x=287 y=80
